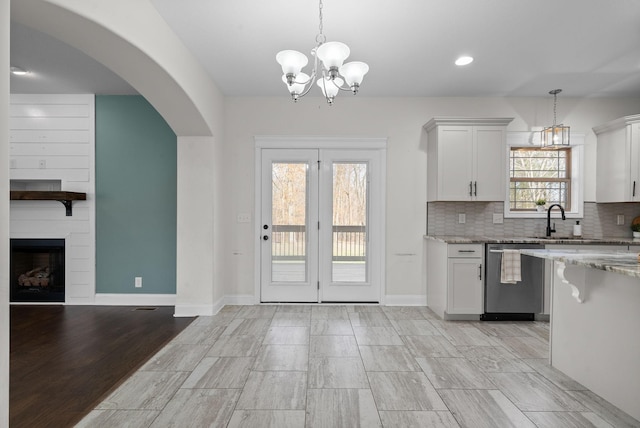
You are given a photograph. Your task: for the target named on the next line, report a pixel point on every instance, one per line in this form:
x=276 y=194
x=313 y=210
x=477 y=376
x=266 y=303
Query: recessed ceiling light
x=464 y=60
x=18 y=71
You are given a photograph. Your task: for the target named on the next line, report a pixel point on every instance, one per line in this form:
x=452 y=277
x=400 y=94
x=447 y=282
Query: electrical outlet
x=620 y=220
x=138 y=282
x=42 y=164
x=13 y=163
x=498 y=218
x=462 y=218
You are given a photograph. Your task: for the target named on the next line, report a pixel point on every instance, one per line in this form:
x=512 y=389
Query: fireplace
x=37 y=270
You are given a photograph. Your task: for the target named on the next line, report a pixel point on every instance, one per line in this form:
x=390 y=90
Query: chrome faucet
x=549 y=229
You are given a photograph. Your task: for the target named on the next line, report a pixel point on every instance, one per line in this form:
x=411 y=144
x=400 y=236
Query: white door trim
x=317 y=142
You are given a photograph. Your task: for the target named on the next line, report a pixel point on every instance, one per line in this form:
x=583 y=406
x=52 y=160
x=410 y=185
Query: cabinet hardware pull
x=634 y=189
x=475 y=188
x=471 y=188
x=466 y=251
x=480 y=272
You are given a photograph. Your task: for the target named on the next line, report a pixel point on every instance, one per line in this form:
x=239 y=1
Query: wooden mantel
x=65 y=198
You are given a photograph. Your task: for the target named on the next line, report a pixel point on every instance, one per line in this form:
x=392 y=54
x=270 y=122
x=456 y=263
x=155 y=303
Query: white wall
x=194 y=270
x=401 y=121
x=4 y=214
x=59 y=130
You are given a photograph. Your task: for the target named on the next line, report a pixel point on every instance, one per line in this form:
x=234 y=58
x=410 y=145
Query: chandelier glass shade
x=329 y=69
x=556 y=136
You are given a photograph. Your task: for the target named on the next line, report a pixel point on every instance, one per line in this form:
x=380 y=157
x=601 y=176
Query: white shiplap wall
x=53 y=140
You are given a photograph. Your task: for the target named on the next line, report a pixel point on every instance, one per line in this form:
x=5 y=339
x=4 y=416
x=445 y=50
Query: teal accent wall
x=136 y=175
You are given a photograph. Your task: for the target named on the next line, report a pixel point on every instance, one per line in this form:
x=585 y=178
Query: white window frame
x=532 y=140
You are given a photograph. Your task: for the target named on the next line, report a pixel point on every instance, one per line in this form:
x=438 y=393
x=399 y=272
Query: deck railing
x=289 y=243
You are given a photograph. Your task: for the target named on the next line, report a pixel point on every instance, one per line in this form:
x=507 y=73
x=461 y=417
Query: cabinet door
x=465 y=289
x=455 y=163
x=618 y=160
x=633 y=136
x=613 y=163
x=489 y=155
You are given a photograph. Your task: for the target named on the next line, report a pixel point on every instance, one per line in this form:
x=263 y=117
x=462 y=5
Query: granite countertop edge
x=450 y=239
x=622 y=262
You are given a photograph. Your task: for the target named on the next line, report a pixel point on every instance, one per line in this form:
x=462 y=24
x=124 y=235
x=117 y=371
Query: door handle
x=265 y=227
x=265 y=238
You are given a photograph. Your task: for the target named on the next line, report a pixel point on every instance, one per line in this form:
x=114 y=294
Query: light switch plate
x=243 y=218
x=13 y=163
x=498 y=218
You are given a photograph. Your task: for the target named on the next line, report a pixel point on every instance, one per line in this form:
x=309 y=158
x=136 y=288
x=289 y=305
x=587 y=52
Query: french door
x=320 y=228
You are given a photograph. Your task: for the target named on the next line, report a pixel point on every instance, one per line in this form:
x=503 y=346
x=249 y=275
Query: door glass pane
x=349 y=237
x=289 y=217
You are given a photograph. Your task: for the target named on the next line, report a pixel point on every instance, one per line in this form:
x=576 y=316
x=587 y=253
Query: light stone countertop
x=622 y=262
x=449 y=239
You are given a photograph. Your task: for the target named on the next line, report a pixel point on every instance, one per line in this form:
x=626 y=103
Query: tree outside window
x=536 y=174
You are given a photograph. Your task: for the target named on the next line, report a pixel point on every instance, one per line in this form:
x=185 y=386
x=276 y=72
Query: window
x=536 y=174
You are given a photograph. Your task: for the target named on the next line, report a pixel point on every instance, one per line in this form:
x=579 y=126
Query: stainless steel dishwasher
x=516 y=302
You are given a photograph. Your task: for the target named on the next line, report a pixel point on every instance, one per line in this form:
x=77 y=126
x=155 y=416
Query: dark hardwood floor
x=64 y=360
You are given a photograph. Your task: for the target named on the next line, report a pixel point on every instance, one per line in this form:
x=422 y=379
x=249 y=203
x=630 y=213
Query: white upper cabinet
x=466 y=159
x=618 y=160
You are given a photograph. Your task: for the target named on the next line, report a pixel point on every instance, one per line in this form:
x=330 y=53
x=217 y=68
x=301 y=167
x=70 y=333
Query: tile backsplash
x=600 y=220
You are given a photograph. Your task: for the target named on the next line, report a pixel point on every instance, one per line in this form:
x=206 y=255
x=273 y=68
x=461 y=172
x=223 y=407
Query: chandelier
x=556 y=136
x=332 y=75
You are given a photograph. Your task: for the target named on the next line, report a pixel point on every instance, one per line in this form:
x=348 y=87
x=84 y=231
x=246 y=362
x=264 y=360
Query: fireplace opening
x=37 y=270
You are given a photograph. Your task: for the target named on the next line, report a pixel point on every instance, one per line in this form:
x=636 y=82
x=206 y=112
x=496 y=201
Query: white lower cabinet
x=455 y=283
x=465 y=287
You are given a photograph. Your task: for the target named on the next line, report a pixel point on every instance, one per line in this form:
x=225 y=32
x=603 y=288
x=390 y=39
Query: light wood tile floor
x=348 y=366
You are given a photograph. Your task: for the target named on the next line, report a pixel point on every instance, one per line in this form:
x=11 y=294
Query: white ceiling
x=521 y=47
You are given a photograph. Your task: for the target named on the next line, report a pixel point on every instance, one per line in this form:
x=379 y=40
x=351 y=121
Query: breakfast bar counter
x=595 y=321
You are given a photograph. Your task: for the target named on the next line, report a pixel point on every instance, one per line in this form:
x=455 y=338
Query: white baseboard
x=194 y=310
x=202 y=310
x=405 y=300
x=239 y=299
x=186 y=310
x=181 y=310
x=107 y=299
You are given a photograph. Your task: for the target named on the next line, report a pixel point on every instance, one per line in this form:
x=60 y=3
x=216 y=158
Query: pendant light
x=556 y=136
x=331 y=76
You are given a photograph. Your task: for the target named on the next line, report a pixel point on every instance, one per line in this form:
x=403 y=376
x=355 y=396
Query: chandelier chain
x=320 y=38
x=555 y=93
